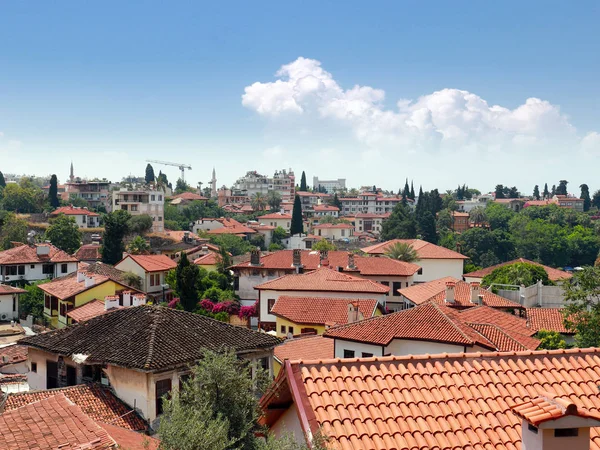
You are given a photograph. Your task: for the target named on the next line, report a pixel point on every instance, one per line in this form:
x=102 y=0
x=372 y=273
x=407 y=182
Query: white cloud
x=590 y=144
x=447 y=119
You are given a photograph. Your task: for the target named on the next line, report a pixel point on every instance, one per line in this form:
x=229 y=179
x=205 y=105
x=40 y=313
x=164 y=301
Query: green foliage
x=116 y=227
x=259 y=202
x=2 y=180
x=186 y=278
x=536 y=192
x=336 y=201
x=273 y=247
x=402 y=252
x=323 y=245
x=426 y=227
x=140 y=224
x=132 y=280
x=138 y=246
x=64 y=233
x=297 y=226
x=596 y=199
x=274 y=200
x=550 y=340
x=77 y=202
x=181 y=186
x=477 y=215
x=485 y=247
x=546 y=193
x=232 y=244
x=400 y=225
x=32 y=302
x=499 y=192
x=12 y=229
x=582 y=313
x=279 y=234
x=470 y=267
x=303 y=186
x=53 y=192
x=519 y=273
x=24 y=197
x=180 y=219
x=149 y=174
x=498 y=216
x=562 y=187
x=585 y=195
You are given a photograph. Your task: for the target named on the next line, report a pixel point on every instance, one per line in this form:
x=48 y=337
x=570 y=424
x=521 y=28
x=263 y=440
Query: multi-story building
x=330 y=186
x=369 y=223
x=94 y=192
x=139 y=201
x=283 y=182
x=35 y=262
x=369 y=203
x=84 y=218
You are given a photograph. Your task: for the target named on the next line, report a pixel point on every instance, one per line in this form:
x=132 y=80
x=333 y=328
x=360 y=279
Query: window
x=21 y=270
x=282 y=329
x=162 y=389
x=32 y=266
x=271 y=303
x=11 y=270
x=348 y=353
x=532 y=428
x=134 y=208
x=63 y=268
x=160 y=198
x=264 y=363
x=343 y=232
x=14 y=304
x=48 y=269
x=236 y=283
x=566 y=432
x=34 y=367
x=51 y=374
x=367 y=355
x=308 y=331
x=420 y=271
x=83 y=219
x=71 y=376
x=152 y=282
x=47 y=301
x=385 y=283
x=160 y=218
x=152 y=198
x=395 y=286
x=291 y=330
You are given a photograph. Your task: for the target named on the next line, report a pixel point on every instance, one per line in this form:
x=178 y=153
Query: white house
x=326 y=210
x=35 y=262
x=84 y=218
x=152 y=269
x=9 y=302
x=335 y=231
x=369 y=223
x=278 y=219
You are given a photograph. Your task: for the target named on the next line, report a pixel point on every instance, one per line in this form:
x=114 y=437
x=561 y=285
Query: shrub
x=207 y=305
x=222 y=316
x=173 y=303
x=248 y=311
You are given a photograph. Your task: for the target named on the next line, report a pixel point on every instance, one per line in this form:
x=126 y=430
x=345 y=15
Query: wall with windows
x=350 y=349
x=151 y=281
x=284 y=327
x=35 y=271
x=434 y=269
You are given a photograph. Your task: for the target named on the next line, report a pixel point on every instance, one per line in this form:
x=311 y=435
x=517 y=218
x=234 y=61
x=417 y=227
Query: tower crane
x=182 y=167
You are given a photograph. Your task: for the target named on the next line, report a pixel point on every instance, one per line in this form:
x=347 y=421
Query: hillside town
x=348 y=317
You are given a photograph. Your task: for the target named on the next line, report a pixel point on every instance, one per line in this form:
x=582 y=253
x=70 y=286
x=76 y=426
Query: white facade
x=207 y=225
x=330 y=186
x=335 y=233
x=9 y=307
x=273 y=220
x=434 y=269
x=129 y=265
x=35 y=271
x=368 y=203
x=142 y=201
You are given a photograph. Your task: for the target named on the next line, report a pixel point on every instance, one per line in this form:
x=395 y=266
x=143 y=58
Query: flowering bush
x=173 y=303
x=207 y=305
x=248 y=311
x=229 y=307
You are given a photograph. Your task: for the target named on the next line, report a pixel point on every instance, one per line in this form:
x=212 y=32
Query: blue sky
x=112 y=84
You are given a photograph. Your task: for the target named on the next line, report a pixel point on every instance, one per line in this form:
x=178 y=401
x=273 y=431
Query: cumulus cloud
x=444 y=119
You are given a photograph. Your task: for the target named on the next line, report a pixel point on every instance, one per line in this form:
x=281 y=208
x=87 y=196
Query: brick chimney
x=354 y=314
x=127 y=298
x=474 y=287
x=255 y=257
x=110 y=302
x=450 y=291
x=323 y=258
x=351 y=263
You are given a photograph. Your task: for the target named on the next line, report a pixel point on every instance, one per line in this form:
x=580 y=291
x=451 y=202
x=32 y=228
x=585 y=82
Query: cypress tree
x=186 y=276
x=553 y=191
x=412 y=191
x=297 y=226
x=149 y=174
x=536 y=192
x=116 y=226
x=406 y=192
x=546 y=192
x=53 y=192
x=303 y=187
x=585 y=195
x=2 y=181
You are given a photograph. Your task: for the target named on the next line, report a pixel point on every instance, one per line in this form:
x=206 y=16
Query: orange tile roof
x=7 y=289
x=96 y=401
x=236 y=229
x=210 y=259
x=504 y=341
x=275 y=216
x=365 y=266
x=313 y=347
x=553 y=274
x=89 y=252
x=424 y=249
x=153 y=263
x=320 y=310
x=179 y=235
x=13 y=354
x=73 y=211
x=324 y=279
x=130 y=440
x=507 y=321
x=189 y=196
x=87 y=311
x=550 y=319
x=550 y=406
x=422 y=292
x=68 y=286
x=52 y=423
x=26 y=254
x=320 y=208
x=456 y=401
x=462 y=298
x=331 y=226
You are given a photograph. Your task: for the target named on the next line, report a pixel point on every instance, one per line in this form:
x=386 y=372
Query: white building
x=152 y=269
x=84 y=218
x=9 y=302
x=283 y=182
x=277 y=219
x=330 y=186
x=335 y=231
x=144 y=200
x=35 y=262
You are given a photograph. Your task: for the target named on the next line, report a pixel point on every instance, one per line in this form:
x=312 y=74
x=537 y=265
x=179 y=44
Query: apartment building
x=330 y=186
x=138 y=201
x=95 y=192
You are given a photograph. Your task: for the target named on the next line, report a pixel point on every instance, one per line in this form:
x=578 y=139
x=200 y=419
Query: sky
x=442 y=93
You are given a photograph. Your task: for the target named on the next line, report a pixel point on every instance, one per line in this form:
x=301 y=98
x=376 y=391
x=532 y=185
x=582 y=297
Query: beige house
x=144 y=200
x=152 y=269
x=335 y=231
x=84 y=218
x=278 y=219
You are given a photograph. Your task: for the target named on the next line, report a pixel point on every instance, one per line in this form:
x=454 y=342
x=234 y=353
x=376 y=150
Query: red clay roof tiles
x=553 y=274
x=462 y=298
x=7 y=289
x=73 y=211
x=551 y=319
x=153 y=263
x=68 y=286
x=313 y=347
x=551 y=407
x=13 y=354
x=87 y=311
x=425 y=250
x=27 y=254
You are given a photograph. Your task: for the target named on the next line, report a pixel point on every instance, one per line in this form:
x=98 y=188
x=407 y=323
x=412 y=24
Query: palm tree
x=138 y=246
x=259 y=202
x=477 y=215
x=402 y=252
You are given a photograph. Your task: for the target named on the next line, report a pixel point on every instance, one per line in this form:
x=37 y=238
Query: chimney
x=80 y=276
x=127 y=298
x=204 y=250
x=354 y=315
x=43 y=250
x=255 y=257
x=89 y=280
x=351 y=263
x=323 y=258
x=297 y=258
x=110 y=302
x=139 y=299
x=450 y=291
x=474 y=287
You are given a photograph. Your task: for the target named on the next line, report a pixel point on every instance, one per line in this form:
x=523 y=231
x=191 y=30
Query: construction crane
x=182 y=167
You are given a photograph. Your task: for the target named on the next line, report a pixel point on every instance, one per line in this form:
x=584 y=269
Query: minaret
x=71 y=176
x=213 y=184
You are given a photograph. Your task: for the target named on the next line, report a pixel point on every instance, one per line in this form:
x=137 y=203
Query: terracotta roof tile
x=507 y=321
x=8 y=289
x=462 y=298
x=26 y=254
x=210 y=259
x=313 y=347
x=320 y=208
x=89 y=252
x=550 y=406
x=87 y=311
x=504 y=341
x=96 y=401
x=553 y=274
x=422 y=292
x=68 y=286
x=333 y=226
x=551 y=319
x=12 y=354
x=319 y=311
x=152 y=263
x=425 y=250
x=457 y=401
x=52 y=423
x=189 y=196
x=73 y=211
x=273 y=216
x=130 y=440
x=324 y=279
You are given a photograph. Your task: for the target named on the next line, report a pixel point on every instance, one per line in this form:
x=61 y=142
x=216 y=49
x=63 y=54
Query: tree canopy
x=64 y=233
x=518 y=274
x=402 y=251
x=400 y=225
x=116 y=227
x=53 y=192
x=149 y=177
x=297 y=226
x=582 y=313
x=303 y=186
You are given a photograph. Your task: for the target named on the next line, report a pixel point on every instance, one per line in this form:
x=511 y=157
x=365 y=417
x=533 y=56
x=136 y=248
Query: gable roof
x=68 y=286
x=88 y=311
x=7 y=289
x=310 y=347
x=507 y=321
x=89 y=252
x=422 y=292
x=73 y=211
x=458 y=401
x=550 y=319
x=319 y=208
x=95 y=400
x=189 y=196
x=276 y=215
x=12 y=354
x=550 y=406
x=320 y=310
x=333 y=226
x=52 y=423
x=424 y=249
x=324 y=279
x=462 y=298
x=310 y=259
x=159 y=338
x=210 y=259
x=553 y=274
x=152 y=263
x=27 y=254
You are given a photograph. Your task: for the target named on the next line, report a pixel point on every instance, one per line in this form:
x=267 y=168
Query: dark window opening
x=367 y=355
x=48 y=269
x=283 y=329
x=348 y=353
x=291 y=330
x=236 y=283
x=71 y=376
x=308 y=331
x=163 y=388
x=51 y=374
x=566 y=432
x=271 y=303
x=63 y=268
x=396 y=285
x=21 y=270
x=34 y=367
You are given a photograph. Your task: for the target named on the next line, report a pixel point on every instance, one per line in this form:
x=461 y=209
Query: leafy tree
x=553 y=192
x=518 y=274
x=336 y=201
x=402 y=251
x=232 y=244
x=297 y=226
x=444 y=221
x=162 y=179
x=116 y=227
x=550 y=340
x=140 y=224
x=546 y=193
x=64 y=233
x=303 y=186
x=53 y=192
x=274 y=200
x=181 y=186
x=477 y=215
x=258 y=202
x=2 y=180
x=406 y=191
x=12 y=229
x=536 y=192
x=32 y=302
x=132 y=280
x=279 y=234
x=499 y=192
x=582 y=313
x=585 y=195
x=562 y=187
x=426 y=227
x=138 y=246
x=257 y=240
x=77 y=202
x=513 y=192
x=223 y=263
x=186 y=278
x=596 y=199
x=149 y=174
x=323 y=245
x=23 y=197
x=486 y=247
x=273 y=247
x=498 y=216
x=400 y=225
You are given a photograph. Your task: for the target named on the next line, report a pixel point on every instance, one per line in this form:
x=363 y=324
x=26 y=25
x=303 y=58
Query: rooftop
x=73 y=211
x=7 y=289
x=89 y=252
x=551 y=407
x=456 y=401
x=68 y=286
x=152 y=263
x=160 y=338
x=462 y=298
x=189 y=196
x=27 y=254
x=553 y=274
x=550 y=319
x=324 y=279
x=306 y=348
x=277 y=215
x=88 y=311
x=210 y=259
x=326 y=226
x=424 y=249
x=12 y=354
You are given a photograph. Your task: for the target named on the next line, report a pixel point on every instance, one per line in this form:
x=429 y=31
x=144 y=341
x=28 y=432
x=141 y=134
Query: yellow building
x=208 y=261
x=313 y=315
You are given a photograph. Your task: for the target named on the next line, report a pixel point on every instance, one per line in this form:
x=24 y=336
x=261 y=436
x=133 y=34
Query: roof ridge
x=451 y=320
x=497 y=328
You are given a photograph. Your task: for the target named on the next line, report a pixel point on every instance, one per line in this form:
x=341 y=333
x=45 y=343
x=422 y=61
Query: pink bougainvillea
x=207 y=305
x=248 y=311
x=173 y=303
x=229 y=307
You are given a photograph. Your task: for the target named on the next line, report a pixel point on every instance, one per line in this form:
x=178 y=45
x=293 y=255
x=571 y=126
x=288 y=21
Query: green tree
x=406 y=190
x=596 y=199
x=336 y=202
x=22 y=198
x=232 y=243
x=2 y=180
x=303 y=186
x=402 y=251
x=279 y=234
x=12 y=229
x=485 y=247
x=324 y=245
x=553 y=192
x=536 y=192
x=412 y=191
x=550 y=340
x=32 y=302
x=517 y=274
x=132 y=280
x=445 y=221
x=138 y=246
x=149 y=174
x=499 y=192
x=585 y=195
x=116 y=227
x=498 y=216
x=53 y=192
x=546 y=193
x=186 y=279
x=274 y=200
x=426 y=227
x=297 y=226
x=562 y=187
x=582 y=313
x=400 y=225
x=181 y=186
x=258 y=202
x=140 y=224
x=64 y=233
x=477 y=215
